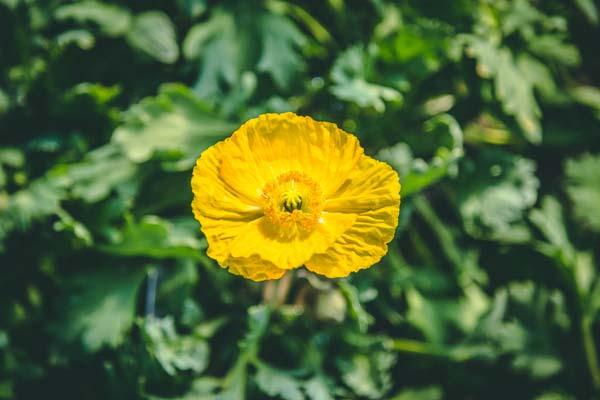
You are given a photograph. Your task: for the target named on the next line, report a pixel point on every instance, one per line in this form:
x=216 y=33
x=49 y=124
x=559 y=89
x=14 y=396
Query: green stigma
x=291 y=201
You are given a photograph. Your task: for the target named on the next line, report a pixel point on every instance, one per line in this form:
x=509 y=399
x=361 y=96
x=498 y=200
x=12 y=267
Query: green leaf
x=583 y=188
x=588 y=96
x=553 y=48
x=175 y=353
x=39 y=200
x=222 y=49
x=12 y=157
x=549 y=220
x=539 y=366
x=521 y=16
x=157 y=238
x=349 y=74
x=426 y=393
x=368 y=375
x=554 y=396
x=174 y=122
x=356 y=311
x=80 y=37
x=279 y=57
x=4 y=102
x=537 y=355
x=3 y=339
x=100 y=94
x=112 y=20
x=496 y=188
x=231 y=43
x=104 y=170
x=202 y=389
x=589 y=9
x=234 y=384
x=194 y=8
x=275 y=382
x=174 y=294
x=316 y=389
x=153 y=33
x=416 y=51
x=69 y=224
x=513 y=88
x=100 y=306
x=10 y=3
x=521 y=325
x=541 y=77
x=417 y=173
x=430 y=316
x=258 y=321
x=6 y=390
x=463 y=260
x=200 y=34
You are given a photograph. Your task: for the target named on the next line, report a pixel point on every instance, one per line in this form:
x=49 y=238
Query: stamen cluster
x=293 y=201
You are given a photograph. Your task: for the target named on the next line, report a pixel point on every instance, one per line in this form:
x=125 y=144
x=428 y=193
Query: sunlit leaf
x=230 y=43
x=174 y=122
x=427 y=393
x=39 y=200
x=104 y=170
x=418 y=173
x=279 y=58
x=100 y=306
x=174 y=352
x=317 y=389
x=589 y=9
x=349 y=75
x=368 y=375
x=111 y=19
x=275 y=382
x=549 y=220
x=80 y=37
x=513 y=88
x=496 y=188
x=153 y=33
x=583 y=187
x=156 y=238
x=355 y=308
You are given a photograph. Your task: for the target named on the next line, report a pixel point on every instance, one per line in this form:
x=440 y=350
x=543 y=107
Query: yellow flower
x=286 y=191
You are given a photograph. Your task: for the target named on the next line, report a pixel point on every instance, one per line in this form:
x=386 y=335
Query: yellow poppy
x=286 y=191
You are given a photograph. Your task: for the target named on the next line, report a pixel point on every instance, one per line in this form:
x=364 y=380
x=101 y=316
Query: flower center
x=293 y=201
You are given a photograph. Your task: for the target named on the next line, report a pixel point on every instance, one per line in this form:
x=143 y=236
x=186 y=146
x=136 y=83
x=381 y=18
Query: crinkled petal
x=372 y=192
x=254 y=268
x=265 y=147
x=261 y=238
x=221 y=211
x=371 y=186
x=213 y=197
x=220 y=235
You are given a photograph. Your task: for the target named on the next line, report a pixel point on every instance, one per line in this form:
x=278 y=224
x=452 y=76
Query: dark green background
x=489 y=110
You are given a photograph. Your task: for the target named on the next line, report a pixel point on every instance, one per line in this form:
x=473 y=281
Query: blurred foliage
x=488 y=109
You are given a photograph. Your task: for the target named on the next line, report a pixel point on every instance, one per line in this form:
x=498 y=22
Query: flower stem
x=416 y=347
x=275 y=292
x=590 y=352
x=583 y=324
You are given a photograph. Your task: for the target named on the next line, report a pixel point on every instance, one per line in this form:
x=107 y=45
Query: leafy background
x=488 y=109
